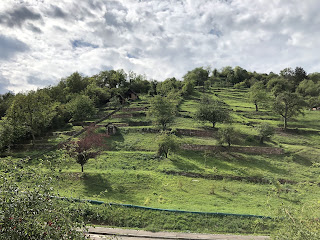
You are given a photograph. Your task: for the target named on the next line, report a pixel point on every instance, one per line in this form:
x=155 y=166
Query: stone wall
x=197 y=133
x=254 y=150
x=136 y=109
x=121 y=116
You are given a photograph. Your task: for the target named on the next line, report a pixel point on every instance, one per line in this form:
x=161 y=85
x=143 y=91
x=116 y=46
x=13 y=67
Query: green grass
x=131 y=173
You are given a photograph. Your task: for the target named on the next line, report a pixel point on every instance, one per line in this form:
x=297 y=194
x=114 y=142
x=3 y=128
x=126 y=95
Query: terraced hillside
x=248 y=178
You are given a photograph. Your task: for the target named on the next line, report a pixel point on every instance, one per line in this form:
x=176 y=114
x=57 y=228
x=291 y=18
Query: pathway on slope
x=100 y=233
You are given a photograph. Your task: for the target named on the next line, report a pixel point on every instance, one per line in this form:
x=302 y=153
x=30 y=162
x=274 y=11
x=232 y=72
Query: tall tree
x=81 y=107
x=33 y=111
x=162 y=110
x=288 y=105
x=198 y=76
x=212 y=111
x=257 y=94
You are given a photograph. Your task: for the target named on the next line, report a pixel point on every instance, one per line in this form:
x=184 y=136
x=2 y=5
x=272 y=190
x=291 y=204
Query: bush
x=29 y=211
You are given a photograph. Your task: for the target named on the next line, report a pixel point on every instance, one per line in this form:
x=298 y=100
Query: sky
x=42 y=41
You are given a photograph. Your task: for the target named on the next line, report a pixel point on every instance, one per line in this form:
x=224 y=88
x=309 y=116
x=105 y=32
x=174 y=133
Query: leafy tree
x=87 y=147
x=139 y=83
x=163 y=111
x=28 y=211
x=167 y=143
x=188 y=88
x=257 y=94
x=299 y=75
x=33 y=111
x=75 y=83
x=5 y=102
x=308 y=88
x=81 y=108
x=226 y=134
x=99 y=95
x=198 y=76
x=168 y=85
x=265 y=130
x=288 y=105
x=212 y=111
x=279 y=85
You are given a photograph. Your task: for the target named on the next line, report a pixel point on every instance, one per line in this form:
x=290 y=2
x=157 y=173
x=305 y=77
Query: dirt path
x=100 y=233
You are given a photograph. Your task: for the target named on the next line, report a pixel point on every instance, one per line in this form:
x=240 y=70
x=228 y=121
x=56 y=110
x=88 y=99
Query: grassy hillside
x=130 y=172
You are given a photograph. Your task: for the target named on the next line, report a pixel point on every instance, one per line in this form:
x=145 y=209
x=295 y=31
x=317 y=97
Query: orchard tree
x=288 y=105
x=265 y=130
x=87 y=147
x=198 y=76
x=213 y=111
x=81 y=108
x=167 y=143
x=227 y=134
x=33 y=111
x=257 y=94
x=163 y=111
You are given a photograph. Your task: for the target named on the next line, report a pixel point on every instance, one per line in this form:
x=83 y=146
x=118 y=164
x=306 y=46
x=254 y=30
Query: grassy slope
x=131 y=173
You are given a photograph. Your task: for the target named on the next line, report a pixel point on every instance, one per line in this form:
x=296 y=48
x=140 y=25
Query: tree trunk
x=256 y=104
x=285 y=123
x=213 y=124
x=261 y=140
x=33 y=138
x=81 y=168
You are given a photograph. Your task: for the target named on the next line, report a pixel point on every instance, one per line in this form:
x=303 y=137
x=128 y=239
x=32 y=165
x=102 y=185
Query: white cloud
x=159 y=38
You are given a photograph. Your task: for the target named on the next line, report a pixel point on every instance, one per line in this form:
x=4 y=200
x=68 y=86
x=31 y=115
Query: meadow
x=130 y=172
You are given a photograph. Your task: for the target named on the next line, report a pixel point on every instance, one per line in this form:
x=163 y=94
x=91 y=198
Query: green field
x=130 y=171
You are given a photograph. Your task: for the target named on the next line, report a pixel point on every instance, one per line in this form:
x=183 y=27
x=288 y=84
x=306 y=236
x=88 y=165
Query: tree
x=163 y=111
x=226 y=134
x=87 y=147
x=198 y=76
x=167 y=143
x=279 y=85
x=212 y=111
x=5 y=102
x=288 y=105
x=75 y=83
x=257 y=94
x=81 y=108
x=33 y=111
x=265 y=130
x=308 y=88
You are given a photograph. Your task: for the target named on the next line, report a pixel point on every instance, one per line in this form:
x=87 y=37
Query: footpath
x=99 y=233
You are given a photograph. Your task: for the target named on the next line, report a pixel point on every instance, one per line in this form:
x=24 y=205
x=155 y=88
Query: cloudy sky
x=42 y=41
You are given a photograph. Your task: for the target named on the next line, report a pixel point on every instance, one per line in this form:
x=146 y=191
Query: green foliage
x=227 y=134
x=97 y=94
x=81 y=108
x=29 y=211
x=33 y=111
x=257 y=94
x=197 y=76
x=167 y=143
x=162 y=110
x=288 y=105
x=308 y=88
x=212 y=111
x=298 y=224
x=265 y=130
x=75 y=83
x=279 y=85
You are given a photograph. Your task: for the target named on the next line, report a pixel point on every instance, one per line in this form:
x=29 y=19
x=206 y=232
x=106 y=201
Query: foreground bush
x=29 y=212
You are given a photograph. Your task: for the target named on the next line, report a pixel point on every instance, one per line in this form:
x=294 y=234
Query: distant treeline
x=76 y=98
